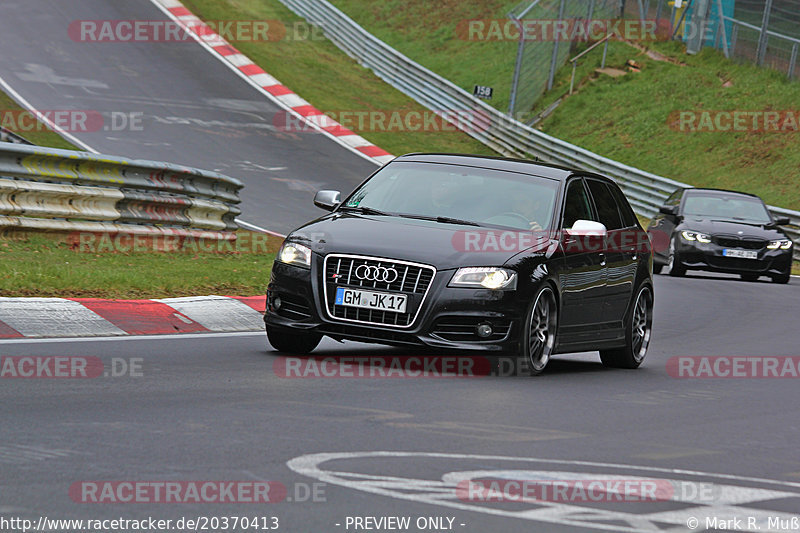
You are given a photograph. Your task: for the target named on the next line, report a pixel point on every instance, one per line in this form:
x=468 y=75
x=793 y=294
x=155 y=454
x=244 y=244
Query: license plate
x=744 y=254
x=380 y=301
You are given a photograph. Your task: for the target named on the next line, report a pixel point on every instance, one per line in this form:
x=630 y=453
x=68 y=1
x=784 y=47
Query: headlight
x=783 y=244
x=695 y=236
x=487 y=277
x=296 y=254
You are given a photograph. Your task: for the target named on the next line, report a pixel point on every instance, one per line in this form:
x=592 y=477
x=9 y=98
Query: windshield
x=488 y=197
x=727 y=207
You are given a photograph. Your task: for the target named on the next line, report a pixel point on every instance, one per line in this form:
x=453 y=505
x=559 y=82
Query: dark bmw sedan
x=720 y=231
x=469 y=253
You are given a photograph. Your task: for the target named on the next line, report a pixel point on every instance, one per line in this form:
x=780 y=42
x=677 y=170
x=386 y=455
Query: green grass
x=41 y=135
x=434 y=35
x=338 y=82
x=632 y=120
x=51 y=266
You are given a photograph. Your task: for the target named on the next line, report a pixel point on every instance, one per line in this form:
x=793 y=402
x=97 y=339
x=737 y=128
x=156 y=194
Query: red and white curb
x=90 y=317
x=269 y=86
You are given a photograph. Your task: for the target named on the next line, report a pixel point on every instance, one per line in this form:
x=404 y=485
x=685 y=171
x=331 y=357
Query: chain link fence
x=539 y=56
x=764 y=32
x=767 y=33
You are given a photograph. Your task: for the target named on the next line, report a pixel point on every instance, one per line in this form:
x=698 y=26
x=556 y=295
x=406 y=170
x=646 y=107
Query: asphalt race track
x=216 y=407
x=192 y=108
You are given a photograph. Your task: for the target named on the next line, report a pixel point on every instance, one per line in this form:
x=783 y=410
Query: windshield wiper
x=365 y=210
x=450 y=220
x=372 y=211
x=443 y=220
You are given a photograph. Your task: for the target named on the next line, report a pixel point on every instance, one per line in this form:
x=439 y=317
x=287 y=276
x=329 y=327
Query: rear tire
x=292 y=341
x=638 y=331
x=782 y=278
x=539 y=337
x=749 y=277
x=657 y=267
x=676 y=270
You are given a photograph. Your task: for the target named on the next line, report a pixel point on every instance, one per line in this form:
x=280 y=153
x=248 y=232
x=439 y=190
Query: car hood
x=440 y=245
x=730 y=227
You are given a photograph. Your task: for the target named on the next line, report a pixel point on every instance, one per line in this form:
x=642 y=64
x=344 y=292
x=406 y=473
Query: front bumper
x=448 y=317
x=709 y=257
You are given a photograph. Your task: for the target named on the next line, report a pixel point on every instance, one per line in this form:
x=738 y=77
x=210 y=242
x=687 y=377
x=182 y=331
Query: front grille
x=464 y=329
x=412 y=279
x=736 y=242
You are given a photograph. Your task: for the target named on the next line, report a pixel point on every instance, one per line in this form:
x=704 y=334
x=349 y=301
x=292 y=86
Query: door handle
x=631 y=250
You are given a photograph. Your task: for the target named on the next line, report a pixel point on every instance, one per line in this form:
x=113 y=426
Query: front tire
x=676 y=270
x=291 y=341
x=782 y=278
x=539 y=337
x=657 y=267
x=638 y=331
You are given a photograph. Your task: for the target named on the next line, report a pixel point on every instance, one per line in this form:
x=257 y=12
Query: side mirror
x=671 y=210
x=587 y=228
x=783 y=221
x=327 y=200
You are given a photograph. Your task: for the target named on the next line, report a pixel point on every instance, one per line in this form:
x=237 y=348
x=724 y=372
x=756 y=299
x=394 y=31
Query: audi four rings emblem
x=376 y=273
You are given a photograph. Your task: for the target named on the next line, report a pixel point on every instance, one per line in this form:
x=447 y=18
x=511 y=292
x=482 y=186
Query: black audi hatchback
x=469 y=253
x=720 y=231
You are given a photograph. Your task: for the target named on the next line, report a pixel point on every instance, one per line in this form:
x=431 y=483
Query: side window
x=606 y=205
x=674 y=198
x=576 y=204
x=629 y=218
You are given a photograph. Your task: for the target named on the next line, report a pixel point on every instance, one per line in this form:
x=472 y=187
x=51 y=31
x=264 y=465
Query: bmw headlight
x=783 y=244
x=486 y=277
x=689 y=235
x=295 y=254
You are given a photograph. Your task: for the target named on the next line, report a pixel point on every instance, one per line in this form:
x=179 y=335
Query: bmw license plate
x=380 y=301
x=744 y=254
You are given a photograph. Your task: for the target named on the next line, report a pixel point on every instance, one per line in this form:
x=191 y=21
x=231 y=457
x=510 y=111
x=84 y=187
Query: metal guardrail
x=9 y=136
x=50 y=189
x=645 y=191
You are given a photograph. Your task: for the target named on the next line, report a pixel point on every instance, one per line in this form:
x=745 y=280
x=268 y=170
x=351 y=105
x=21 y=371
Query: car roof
x=522 y=166
x=726 y=191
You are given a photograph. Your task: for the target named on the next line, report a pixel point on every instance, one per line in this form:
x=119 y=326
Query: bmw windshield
x=726 y=207
x=449 y=193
